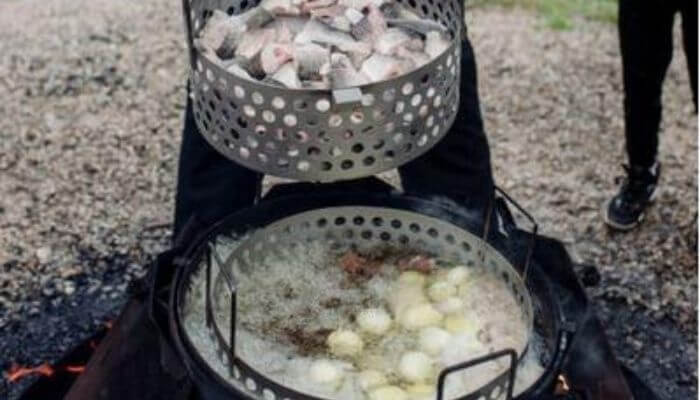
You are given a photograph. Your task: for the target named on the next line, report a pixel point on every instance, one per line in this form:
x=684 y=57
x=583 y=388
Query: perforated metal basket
x=325 y=135
x=356 y=227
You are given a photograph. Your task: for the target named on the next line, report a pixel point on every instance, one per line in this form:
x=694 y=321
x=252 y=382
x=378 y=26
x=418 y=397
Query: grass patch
x=560 y=14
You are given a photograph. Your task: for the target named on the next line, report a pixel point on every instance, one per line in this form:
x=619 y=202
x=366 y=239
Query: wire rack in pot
x=344 y=228
x=325 y=135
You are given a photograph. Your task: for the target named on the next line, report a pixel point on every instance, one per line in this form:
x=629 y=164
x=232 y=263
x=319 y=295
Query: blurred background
x=93 y=94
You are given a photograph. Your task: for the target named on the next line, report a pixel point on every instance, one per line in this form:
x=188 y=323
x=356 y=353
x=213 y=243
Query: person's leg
x=208 y=184
x=646 y=42
x=689 y=9
x=459 y=166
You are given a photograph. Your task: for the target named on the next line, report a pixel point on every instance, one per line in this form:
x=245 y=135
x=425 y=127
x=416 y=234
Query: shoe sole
x=623 y=227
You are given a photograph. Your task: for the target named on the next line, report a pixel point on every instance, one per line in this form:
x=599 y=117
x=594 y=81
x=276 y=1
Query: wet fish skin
x=333 y=16
x=220 y=35
x=371 y=27
x=360 y=5
x=435 y=44
x=318 y=32
x=254 y=41
x=308 y=5
x=309 y=58
x=418 y=58
x=237 y=70
x=343 y=74
x=273 y=56
x=287 y=76
x=393 y=10
x=393 y=39
x=421 y=26
x=281 y=7
x=379 y=67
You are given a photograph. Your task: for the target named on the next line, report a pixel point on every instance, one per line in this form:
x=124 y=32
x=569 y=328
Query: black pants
x=459 y=166
x=646 y=40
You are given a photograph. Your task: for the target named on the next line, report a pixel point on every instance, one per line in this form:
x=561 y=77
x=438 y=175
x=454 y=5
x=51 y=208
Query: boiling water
x=288 y=306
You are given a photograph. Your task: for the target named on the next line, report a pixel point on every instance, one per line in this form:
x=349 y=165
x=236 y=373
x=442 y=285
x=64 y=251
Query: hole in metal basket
x=335 y=120
x=395 y=223
x=423 y=140
x=415 y=228
x=466 y=247
x=366 y=235
x=323 y=105
x=357 y=117
x=340 y=221
x=290 y=120
x=301 y=136
x=347 y=164
x=268 y=116
x=416 y=99
x=432 y=232
x=423 y=111
x=399 y=107
x=303 y=166
x=368 y=100
x=278 y=103
x=250 y=384
x=358 y=148
x=377 y=221
x=389 y=155
x=403 y=239
x=257 y=98
x=313 y=151
x=249 y=110
x=282 y=163
x=348 y=134
x=322 y=222
x=358 y=220
x=407 y=89
x=378 y=145
x=385 y=236
x=368 y=161
x=326 y=166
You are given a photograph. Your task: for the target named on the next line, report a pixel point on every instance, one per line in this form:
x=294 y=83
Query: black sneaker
x=626 y=210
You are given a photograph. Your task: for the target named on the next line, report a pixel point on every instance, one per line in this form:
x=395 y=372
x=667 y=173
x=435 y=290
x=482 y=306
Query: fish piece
x=353 y=15
x=254 y=41
x=318 y=32
x=358 y=52
x=333 y=16
x=280 y=7
x=435 y=44
x=379 y=67
x=309 y=58
x=251 y=66
x=220 y=35
x=237 y=70
x=254 y=18
x=273 y=56
x=287 y=76
x=421 y=26
x=361 y=4
x=370 y=27
x=287 y=27
x=418 y=58
x=308 y=5
x=393 y=39
x=395 y=10
x=343 y=74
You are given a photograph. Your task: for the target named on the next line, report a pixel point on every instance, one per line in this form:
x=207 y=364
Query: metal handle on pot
x=229 y=350
x=487 y=226
x=481 y=360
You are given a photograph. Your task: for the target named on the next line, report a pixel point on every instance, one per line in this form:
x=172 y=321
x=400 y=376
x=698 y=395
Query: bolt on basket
x=325 y=135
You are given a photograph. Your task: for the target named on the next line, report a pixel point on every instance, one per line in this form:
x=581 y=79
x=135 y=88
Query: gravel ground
x=89 y=136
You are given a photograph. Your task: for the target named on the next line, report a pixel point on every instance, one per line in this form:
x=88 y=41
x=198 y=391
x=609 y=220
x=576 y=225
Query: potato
x=420 y=316
x=344 y=343
x=374 y=320
x=441 y=290
x=370 y=379
x=388 y=393
x=415 y=366
x=324 y=371
x=432 y=340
